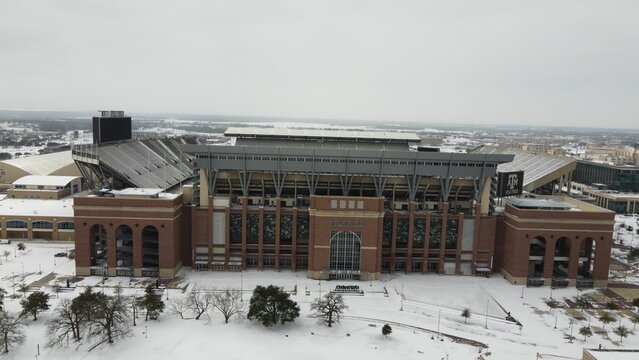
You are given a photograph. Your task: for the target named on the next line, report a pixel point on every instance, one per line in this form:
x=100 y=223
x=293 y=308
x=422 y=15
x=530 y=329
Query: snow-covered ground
x=415 y=305
x=629 y=237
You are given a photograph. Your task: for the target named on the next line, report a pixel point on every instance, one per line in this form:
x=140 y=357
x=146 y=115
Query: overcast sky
x=516 y=62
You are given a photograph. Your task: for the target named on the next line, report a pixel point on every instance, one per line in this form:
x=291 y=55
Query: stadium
x=334 y=204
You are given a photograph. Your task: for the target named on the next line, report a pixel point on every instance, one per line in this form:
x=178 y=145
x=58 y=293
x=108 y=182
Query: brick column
x=244 y=226
x=278 y=219
x=460 y=235
x=209 y=235
x=442 y=241
x=294 y=241
x=137 y=250
x=473 y=268
x=311 y=236
x=573 y=261
x=260 y=239
x=227 y=236
x=112 y=248
x=393 y=244
x=603 y=247
x=426 y=241
x=411 y=225
x=549 y=261
x=380 y=238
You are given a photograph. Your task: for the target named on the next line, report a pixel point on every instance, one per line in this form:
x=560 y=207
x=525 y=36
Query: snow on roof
x=39 y=207
x=144 y=192
x=44 y=180
x=535 y=166
x=42 y=164
x=315 y=133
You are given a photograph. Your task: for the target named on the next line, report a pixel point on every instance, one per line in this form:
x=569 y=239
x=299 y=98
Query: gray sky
x=517 y=62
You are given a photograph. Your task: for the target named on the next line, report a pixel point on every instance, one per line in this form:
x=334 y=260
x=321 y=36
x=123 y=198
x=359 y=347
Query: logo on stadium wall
x=510 y=183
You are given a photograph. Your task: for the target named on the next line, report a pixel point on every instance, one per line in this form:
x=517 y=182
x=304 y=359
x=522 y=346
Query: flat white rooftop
x=44 y=180
x=36 y=207
x=323 y=134
x=141 y=193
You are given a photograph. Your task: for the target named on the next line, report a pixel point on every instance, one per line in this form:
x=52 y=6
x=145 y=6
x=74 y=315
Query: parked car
x=60 y=254
x=5 y=241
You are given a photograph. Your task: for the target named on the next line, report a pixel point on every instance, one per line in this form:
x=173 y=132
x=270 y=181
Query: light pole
x=320 y=288
x=241 y=287
x=570 y=341
x=555 y=321
x=486 y=326
x=22 y=263
x=439 y=317
x=551 y=291
x=522 y=291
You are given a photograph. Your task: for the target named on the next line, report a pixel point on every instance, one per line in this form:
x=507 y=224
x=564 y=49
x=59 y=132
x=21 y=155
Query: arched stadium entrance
x=345 y=255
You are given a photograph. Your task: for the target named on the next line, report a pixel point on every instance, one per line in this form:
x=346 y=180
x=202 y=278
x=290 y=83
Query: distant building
x=39 y=207
x=619 y=202
x=616 y=177
x=58 y=164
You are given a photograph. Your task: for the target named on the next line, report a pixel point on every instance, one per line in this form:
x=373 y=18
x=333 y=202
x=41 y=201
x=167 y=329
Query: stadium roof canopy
x=539 y=170
x=42 y=164
x=349 y=135
x=59 y=163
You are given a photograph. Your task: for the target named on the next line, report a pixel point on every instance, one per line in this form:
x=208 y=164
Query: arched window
x=98 y=244
x=124 y=249
x=345 y=251
x=16 y=224
x=66 y=225
x=42 y=225
x=150 y=251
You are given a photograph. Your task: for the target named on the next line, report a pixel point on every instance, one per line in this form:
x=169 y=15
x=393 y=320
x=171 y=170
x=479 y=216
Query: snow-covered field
x=415 y=306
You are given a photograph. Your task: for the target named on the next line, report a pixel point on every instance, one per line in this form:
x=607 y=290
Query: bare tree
x=329 y=308
x=229 y=302
x=178 y=307
x=69 y=319
x=199 y=302
x=110 y=319
x=11 y=330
